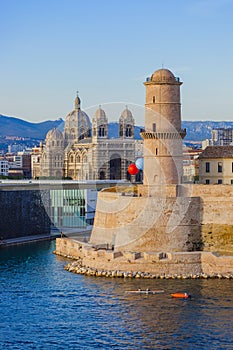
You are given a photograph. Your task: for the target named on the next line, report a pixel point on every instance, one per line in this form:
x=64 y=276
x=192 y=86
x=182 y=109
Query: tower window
x=219 y=167
x=101 y=131
x=156 y=151
x=219 y=181
x=154 y=127
x=153 y=99
x=207 y=181
x=207 y=167
x=128 y=131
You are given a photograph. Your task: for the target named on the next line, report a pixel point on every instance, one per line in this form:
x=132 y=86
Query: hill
x=10 y=126
x=201 y=130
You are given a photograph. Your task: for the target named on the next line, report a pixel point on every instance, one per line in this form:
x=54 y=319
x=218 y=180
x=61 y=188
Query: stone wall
x=200 y=218
x=23 y=213
x=147 y=223
x=155 y=263
x=216 y=214
x=69 y=248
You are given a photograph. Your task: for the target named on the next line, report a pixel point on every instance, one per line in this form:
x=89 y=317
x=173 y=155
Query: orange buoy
x=181 y=295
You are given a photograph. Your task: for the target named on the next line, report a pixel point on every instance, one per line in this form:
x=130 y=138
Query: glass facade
x=68 y=207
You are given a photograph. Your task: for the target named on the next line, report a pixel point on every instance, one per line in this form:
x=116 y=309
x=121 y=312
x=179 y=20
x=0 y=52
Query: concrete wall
x=23 y=213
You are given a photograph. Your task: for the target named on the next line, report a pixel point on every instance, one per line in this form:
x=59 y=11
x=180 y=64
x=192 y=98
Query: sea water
x=42 y=306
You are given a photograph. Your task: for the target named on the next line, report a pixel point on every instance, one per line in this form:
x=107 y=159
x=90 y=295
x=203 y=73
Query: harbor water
x=42 y=306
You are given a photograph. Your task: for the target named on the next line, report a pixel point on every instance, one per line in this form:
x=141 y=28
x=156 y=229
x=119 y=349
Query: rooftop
x=217 y=152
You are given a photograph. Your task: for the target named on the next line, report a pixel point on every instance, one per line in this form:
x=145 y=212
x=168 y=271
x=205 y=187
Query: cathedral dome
x=54 y=134
x=126 y=114
x=84 y=120
x=100 y=114
x=77 y=125
x=163 y=75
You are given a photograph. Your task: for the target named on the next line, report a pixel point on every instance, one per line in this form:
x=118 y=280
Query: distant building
x=216 y=165
x=20 y=165
x=191 y=164
x=35 y=161
x=85 y=152
x=220 y=137
x=4 y=167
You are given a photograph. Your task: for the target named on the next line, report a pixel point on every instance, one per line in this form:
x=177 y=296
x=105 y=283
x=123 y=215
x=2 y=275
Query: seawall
x=155 y=263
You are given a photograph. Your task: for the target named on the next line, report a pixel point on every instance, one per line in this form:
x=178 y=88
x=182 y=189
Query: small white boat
x=147 y=291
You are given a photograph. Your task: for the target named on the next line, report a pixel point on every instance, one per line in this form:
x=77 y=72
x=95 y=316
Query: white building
x=84 y=150
x=4 y=167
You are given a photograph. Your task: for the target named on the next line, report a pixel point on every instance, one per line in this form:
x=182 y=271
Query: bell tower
x=163 y=135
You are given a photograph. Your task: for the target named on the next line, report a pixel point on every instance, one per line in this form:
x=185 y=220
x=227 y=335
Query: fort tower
x=163 y=135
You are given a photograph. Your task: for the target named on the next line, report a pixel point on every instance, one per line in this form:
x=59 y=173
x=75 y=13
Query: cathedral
x=84 y=151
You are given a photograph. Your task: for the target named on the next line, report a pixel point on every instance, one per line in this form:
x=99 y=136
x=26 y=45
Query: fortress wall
x=69 y=248
x=214 y=264
x=158 y=263
x=146 y=223
x=171 y=265
x=204 y=220
x=216 y=214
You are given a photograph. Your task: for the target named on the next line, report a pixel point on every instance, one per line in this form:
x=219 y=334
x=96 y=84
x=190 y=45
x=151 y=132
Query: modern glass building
x=68 y=204
x=68 y=207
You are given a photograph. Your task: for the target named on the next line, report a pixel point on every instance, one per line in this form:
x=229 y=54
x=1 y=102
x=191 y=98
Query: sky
x=105 y=49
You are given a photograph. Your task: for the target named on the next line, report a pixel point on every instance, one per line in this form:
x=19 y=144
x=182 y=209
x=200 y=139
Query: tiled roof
x=217 y=152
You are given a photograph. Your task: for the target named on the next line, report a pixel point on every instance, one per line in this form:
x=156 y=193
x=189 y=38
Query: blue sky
x=105 y=49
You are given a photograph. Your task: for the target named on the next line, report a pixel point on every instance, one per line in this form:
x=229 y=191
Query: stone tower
x=163 y=135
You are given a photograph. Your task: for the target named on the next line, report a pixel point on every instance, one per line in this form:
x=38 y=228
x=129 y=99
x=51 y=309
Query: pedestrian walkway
x=74 y=233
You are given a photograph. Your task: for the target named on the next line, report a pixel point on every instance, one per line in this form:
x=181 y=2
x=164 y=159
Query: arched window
x=101 y=131
x=71 y=159
x=78 y=159
x=128 y=131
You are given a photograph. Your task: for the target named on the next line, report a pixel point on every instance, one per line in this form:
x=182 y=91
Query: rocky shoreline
x=77 y=267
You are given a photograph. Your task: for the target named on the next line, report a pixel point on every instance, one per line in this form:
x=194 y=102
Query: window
x=219 y=181
x=231 y=181
x=207 y=181
x=101 y=131
x=82 y=211
x=154 y=127
x=207 y=167
x=153 y=99
x=232 y=167
x=156 y=151
x=219 y=167
x=128 y=131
